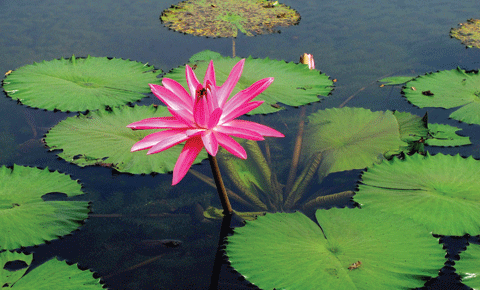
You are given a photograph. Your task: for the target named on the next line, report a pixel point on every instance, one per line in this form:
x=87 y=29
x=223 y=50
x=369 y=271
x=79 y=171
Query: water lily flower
x=308 y=59
x=205 y=117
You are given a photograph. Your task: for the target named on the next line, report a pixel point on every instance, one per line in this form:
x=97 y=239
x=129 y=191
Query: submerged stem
x=222 y=193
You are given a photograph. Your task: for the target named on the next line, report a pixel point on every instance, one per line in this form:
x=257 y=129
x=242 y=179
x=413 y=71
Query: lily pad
x=350 y=138
x=294 y=84
x=398 y=80
x=444 y=135
x=102 y=138
x=80 y=84
x=357 y=249
x=440 y=191
x=223 y=18
x=468 y=33
x=468 y=267
x=51 y=275
x=448 y=89
x=25 y=218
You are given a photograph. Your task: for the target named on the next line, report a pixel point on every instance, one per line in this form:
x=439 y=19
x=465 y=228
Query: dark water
x=356 y=42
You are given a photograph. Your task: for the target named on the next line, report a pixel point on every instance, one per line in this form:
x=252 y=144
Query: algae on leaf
x=290 y=251
x=223 y=18
x=80 y=84
x=468 y=33
x=26 y=219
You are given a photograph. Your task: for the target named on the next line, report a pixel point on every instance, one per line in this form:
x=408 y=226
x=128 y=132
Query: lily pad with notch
x=53 y=274
x=102 y=138
x=294 y=84
x=80 y=84
x=448 y=89
x=26 y=218
x=353 y=249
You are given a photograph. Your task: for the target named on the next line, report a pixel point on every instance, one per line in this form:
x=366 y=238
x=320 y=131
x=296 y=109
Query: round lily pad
x=25 y=218
x=294 y=84
x=353 y=249
x=440 y=191
x=80 y=84
x=51 y=275
x=468 y=33
x=102 y=138
x=223 y=18
x=350 y=138
x=448 y=89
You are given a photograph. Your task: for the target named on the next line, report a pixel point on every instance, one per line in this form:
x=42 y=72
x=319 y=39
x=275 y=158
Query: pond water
x=355 y=42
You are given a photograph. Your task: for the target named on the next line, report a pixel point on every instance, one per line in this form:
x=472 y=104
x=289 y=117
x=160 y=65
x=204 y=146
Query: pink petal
x=192 y=82
x=168 y=142
x=238 y=131
x=210 y=75
x=153 y=139
x=183 y=116
x=190 y=151
x=226 y=89
x=158 y=123
x=248 y=94
x=231 y=145
x=200 y=112
x=214 y=118
x=210 y=142
x=169 y=98
x=258 y=128
x=228 y=116
x=178 y=90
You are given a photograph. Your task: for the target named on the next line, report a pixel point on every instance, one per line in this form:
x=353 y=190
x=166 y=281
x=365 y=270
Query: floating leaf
x=468 y=267
x=102 y=138
x=393 y=81
x=25 y=218
x=440 y=191
x=448 y=89
x=444 y=135
x=289 y=251
x=350 y=138
x=468 y=33
x=294 y=84
x=217 y=18
x=80 y=84
x=51 y=275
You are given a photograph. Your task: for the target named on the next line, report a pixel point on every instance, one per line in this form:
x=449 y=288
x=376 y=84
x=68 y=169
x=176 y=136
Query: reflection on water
x=356 y=42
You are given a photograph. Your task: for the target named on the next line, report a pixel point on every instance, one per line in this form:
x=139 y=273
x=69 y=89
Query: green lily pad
x=440 y=191
x=393 y=81
x=350 y=138
x=448 y=89
x=80 y=84
x=51 y=275
x=102 y=138
x=25 y=218
x=216 y=18
x=444 y=135
x=294 y=84
x=289 y=251
x=468 y=267
x=468 y=33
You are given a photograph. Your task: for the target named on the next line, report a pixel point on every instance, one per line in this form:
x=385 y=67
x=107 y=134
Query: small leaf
x=444 y=135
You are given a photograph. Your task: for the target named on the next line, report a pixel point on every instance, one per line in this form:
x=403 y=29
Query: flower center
x=202 y=92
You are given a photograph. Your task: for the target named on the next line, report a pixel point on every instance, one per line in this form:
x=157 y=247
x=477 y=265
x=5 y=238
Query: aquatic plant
x=204 y=118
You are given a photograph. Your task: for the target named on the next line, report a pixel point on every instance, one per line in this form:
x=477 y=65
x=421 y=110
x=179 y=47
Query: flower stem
x=222 y=192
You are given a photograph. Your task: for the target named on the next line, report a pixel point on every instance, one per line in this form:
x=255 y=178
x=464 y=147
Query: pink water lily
x=203 y=118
